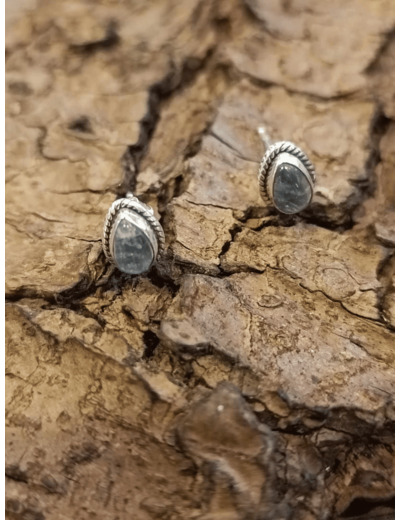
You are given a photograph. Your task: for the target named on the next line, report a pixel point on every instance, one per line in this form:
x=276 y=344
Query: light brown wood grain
x=250 y=374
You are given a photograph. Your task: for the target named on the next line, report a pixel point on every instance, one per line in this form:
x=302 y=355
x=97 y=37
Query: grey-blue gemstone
x=292 y=191
x=133 y=252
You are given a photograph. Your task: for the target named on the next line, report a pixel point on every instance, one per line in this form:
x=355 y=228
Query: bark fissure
x=249 y=373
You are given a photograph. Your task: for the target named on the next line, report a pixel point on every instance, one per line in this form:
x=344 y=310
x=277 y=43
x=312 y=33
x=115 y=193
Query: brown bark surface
x=250 y=374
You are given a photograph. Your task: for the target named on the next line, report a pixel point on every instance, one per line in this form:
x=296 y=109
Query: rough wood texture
x=250 y=374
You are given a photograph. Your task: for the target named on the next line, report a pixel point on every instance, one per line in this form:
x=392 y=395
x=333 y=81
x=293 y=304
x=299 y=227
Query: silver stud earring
x=286 y=175
x=133 y=238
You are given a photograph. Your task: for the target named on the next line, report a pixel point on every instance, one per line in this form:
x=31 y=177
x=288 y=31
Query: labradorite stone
x=133 y=252
x=291 y=191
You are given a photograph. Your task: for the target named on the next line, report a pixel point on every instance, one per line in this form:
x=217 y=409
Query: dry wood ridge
x=250 y=374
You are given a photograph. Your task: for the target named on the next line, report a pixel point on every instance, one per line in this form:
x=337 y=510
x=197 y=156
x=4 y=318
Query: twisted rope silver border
x=271 y=154
x=139 y=208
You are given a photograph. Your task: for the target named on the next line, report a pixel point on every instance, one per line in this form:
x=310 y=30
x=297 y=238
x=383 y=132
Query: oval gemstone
x=133 y=250
x=292 y=191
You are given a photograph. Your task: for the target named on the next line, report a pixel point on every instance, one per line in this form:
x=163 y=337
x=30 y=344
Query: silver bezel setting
x=277 y=154
x=134 y=205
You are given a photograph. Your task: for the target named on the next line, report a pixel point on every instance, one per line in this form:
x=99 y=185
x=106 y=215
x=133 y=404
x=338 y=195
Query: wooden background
x=250 y=374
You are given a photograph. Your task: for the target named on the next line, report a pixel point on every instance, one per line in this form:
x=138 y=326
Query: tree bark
x=249 y=374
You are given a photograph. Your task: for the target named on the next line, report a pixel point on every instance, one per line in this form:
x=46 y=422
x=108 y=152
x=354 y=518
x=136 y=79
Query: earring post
x=265 y=138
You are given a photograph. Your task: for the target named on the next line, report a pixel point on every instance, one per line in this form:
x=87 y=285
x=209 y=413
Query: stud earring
x=286 y=175
x=133 y=238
